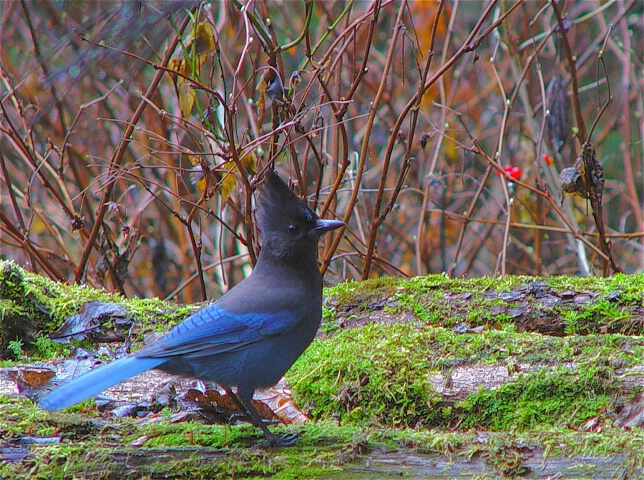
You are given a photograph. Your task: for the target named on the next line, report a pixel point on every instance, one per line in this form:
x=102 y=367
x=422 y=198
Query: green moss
x=381 y=374
x=95 y=448
x=594 y=305
x=616 y=304
x=409 y=302
x=42 y=304
x=363 y=375
x=536 y=400
x=47 y=348
x=371 y=386
x=12 y=284
x=19 y=415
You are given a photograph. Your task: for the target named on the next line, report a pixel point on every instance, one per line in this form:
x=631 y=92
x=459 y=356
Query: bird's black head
x=289 y=227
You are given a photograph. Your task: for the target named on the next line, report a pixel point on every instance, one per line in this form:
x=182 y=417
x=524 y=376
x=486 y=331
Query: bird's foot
x=275 y=441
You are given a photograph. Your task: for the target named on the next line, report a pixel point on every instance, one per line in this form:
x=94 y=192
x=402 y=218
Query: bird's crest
x=277 y=204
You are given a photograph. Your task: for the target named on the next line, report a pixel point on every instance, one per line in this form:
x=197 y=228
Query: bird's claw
x=275 y=441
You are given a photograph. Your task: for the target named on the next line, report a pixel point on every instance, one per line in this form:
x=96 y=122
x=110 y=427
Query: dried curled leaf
x=586 y=178
x=203 y=175
x=92 y=322
x=29 y=376
x=189 y=61
x=632 y=415
x=558 y=119
x=572 y=182
x=274 y=403
x=279 y=400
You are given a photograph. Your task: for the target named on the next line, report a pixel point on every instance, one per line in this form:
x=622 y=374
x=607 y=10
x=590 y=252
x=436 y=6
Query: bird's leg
x=237 y=401
x=272 y=440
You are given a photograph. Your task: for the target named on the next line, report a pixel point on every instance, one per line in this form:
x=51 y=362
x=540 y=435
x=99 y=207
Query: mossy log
x=428 y=378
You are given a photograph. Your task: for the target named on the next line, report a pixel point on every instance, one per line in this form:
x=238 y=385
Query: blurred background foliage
x=132 y=135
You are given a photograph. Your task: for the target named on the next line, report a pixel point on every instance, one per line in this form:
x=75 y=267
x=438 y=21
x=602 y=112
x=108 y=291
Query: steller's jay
x=252 y=335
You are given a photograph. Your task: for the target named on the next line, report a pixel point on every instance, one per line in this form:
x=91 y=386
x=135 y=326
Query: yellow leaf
x=187 y=96
x=423 y=16
x=228 y=184
x=37 y=225
x=261 y=101
x=202 y=183
x=249 y=162
x=198 y=46
x=451 y=150
x=204 y=39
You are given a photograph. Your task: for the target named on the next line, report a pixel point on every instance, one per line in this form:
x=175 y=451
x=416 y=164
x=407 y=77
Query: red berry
x=510 y=171
x=515 y=172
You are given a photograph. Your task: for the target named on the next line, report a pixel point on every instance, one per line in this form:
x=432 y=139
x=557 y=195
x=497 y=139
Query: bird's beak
x=323 y=226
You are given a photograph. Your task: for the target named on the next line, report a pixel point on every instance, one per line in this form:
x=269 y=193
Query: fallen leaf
x=28 y=376
x=87 y=323
x=279 y=400
x=632 y=415
x=139 y=441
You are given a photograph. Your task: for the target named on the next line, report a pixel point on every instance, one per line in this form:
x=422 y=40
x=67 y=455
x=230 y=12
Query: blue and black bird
x=252 y=335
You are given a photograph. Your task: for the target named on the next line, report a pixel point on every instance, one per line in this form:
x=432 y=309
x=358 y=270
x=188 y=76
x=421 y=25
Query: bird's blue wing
x=219 y=331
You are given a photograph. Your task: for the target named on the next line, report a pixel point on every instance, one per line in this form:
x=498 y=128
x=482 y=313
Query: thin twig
x=103 y=206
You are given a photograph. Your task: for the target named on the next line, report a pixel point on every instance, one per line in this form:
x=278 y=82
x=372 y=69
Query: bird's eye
x=293 y=229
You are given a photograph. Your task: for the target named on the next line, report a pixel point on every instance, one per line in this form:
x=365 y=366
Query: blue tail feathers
x=96 y=381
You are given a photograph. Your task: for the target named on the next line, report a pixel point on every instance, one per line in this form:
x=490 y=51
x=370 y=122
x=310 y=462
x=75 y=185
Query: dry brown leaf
x=274 y=403
x=28 y=376
x=279 y=399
